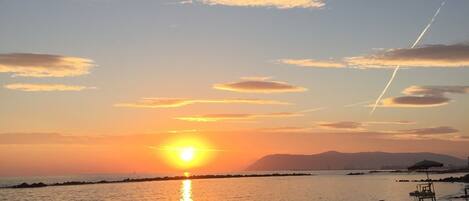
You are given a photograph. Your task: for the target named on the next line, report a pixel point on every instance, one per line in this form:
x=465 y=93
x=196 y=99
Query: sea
x=321 y=186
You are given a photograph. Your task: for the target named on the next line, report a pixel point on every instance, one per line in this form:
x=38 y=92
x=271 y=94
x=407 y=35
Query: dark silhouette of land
x=129 y=180
x=463 y=179
x=333 y=160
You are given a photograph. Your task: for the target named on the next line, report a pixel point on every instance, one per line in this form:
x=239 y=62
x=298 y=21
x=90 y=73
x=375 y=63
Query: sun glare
x=186 y=152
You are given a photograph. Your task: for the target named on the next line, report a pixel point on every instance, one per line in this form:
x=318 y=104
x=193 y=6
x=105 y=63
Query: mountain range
x=333 y=160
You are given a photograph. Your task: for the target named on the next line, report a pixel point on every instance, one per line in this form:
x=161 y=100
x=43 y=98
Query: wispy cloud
x=186 y=2
x=180 y=102
x=259 y=86
x=45 y=87
x=279 y=4
x=260 y=78
x=44 y=138
x=236 y=116
x=360 y=128
x=340 y=125
x=286 y=129
x=313 y=63
x=354 y=125
x=44 y=65
x=184 y=131
x=440 y=133
x=389 y=122
x=435 y=90
x=430 y=131
x=427 y=56
x=441 y=56
x=460 y=138
x=424 y=96
x=414 y=101
x=446 y=133
x=361 y=103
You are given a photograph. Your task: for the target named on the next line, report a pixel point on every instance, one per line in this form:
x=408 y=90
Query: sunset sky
x=92 y=86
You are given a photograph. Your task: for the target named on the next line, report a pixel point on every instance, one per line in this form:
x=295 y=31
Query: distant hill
x=333 y=160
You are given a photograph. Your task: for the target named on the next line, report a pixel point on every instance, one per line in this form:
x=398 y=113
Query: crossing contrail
x=398 y=66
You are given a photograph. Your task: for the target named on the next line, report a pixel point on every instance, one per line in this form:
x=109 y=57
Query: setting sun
x=187 y=154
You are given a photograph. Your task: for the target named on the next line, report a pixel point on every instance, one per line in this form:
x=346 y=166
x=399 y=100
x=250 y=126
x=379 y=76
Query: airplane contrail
x=398 y=66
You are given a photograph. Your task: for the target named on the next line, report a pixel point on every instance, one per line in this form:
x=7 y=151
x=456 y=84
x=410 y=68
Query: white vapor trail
x=398 y=66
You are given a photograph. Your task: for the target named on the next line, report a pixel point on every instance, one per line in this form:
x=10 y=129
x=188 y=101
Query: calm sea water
x=324 y=186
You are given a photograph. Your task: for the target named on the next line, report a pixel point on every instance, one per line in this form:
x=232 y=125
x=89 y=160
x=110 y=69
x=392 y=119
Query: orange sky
x=54 y=154
x=112 y=86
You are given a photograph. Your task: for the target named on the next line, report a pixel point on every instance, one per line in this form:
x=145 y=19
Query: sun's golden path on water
x=186 y=190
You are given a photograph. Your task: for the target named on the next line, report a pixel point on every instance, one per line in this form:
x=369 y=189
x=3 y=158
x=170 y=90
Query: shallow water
x=325 y=186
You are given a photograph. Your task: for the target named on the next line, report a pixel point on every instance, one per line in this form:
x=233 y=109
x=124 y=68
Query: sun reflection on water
x=186 y=190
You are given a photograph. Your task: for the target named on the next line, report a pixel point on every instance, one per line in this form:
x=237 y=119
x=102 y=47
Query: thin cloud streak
x=27 y=87
x=259 y=86
x=313 y=63
x=389 y=122
x=424 y=96
x=286 y=129
x=439 y=133
x=428 y=56
x=236 y=116
x=435 y=90
x=414 y=101
x=44 y=65
x=180 y=102
x=354 y=125
x=313 y=110
x=430 y=131
x=349 y=125
x=358 y=103
x=445 y=133
x=279 y=4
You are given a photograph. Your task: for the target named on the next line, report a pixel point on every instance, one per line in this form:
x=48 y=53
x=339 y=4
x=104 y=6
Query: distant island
x=333 y=160
x=129 y=180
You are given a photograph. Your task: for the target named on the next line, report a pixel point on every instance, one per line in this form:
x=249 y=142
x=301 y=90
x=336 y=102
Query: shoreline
x=453 y=171
x=135 y=180
x=462 y=179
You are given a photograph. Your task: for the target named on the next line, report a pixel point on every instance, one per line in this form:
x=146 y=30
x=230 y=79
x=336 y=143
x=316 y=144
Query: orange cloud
x=259 y=86
x=224 y=117
x=340 y=125
x=357 y=126
x=45 y=87
x=435 y=90
x=426 y=133
x=429 y=56
x=430 y=131
x=43 y=65
x=286 y=129
x=414 y=101
x=180 y=102
x=389 y=122
x=312 y=63
x=424 y=96
x=460 y=138
x=280 y=4
x=261 y=78
x=359 y=129
x=441 y=56
x=440 y=133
